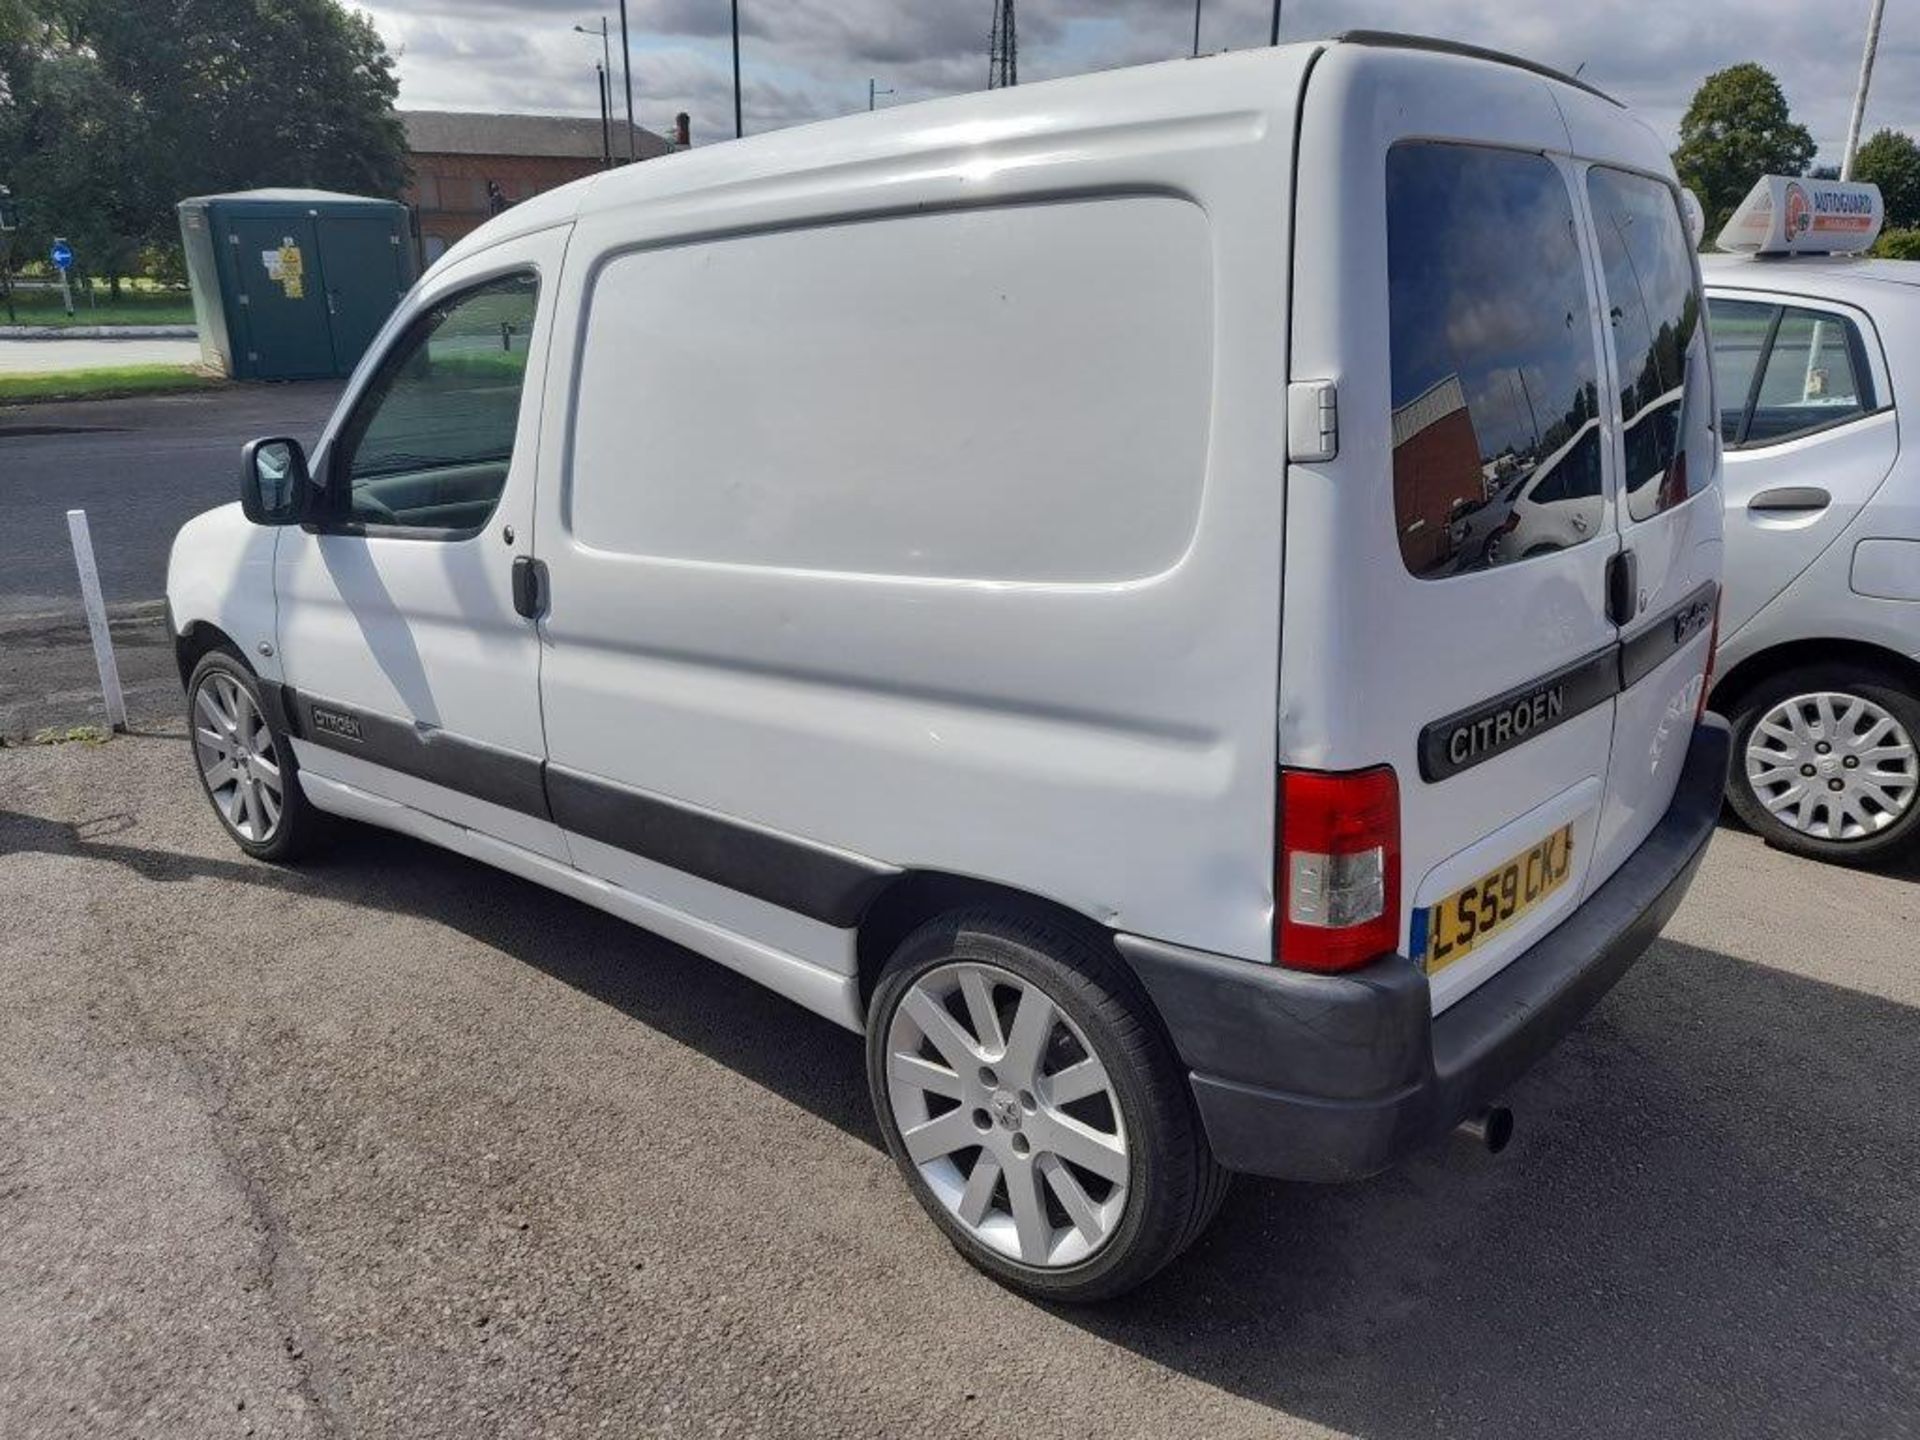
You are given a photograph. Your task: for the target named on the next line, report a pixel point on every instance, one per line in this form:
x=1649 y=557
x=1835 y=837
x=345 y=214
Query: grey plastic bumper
x=1335 y=1077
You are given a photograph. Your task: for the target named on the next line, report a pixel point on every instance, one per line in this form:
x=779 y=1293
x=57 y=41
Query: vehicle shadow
x=807 y=1060
x=1706 y=1225
x=1903 y=866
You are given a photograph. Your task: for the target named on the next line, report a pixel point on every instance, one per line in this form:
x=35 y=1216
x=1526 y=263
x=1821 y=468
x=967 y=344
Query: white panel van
x=1051 y=580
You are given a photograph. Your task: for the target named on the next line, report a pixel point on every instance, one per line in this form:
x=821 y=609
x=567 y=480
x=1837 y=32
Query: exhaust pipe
x=1491 y=1128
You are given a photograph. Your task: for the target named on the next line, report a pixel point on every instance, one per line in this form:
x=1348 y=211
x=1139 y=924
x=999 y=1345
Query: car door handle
x=1790 y=498
x=529 y=586
x=1623 y=587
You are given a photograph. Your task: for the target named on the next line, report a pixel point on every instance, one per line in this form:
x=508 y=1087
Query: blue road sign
x=62 y=255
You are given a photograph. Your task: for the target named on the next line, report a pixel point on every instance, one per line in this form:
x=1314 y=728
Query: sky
x=805 y=60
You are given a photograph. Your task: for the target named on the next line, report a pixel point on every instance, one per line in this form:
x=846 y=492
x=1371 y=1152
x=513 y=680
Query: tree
x=1736 y=130
x=1891 y=160
x=111 y=113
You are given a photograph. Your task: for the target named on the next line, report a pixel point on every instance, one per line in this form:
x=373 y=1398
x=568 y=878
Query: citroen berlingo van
x=1044 y=579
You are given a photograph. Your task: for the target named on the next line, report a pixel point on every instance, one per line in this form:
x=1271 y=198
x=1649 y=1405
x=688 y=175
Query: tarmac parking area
x=393 y=1145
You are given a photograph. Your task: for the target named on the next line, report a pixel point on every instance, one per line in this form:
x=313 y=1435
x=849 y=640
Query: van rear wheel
x=1827 y=763
x=1035 y=1107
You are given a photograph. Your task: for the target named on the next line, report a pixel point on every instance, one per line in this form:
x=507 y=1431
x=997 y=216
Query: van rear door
x=1446 y=572
x=1670 y=515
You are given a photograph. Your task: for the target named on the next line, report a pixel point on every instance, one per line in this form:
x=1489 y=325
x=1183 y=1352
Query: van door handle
x=529 y=586
x=1623 y=587
x=1788 y=499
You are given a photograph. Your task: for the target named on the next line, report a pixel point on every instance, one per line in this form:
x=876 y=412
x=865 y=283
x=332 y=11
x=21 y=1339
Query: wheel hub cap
x=1008 y=1115
x=1832 y=766
x=238 y=761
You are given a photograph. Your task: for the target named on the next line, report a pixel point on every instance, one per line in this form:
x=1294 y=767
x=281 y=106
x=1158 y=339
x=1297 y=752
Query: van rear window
x=1659 y=344
x=1496 y=444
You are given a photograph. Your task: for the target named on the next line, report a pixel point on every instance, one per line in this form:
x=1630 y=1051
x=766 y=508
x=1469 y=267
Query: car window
x=1659 y=344
x=1493 y=363
x=1740 y=329
x=429 y=443
x=1810 y=380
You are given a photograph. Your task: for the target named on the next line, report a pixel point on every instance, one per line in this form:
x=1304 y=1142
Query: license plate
x=1475 y=913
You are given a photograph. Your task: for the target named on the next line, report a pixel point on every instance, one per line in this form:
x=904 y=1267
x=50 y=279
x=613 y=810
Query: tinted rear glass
x=1494 y=370
x=1659 y=344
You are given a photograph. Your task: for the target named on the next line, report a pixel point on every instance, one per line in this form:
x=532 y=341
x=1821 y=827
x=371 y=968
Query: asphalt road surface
x=139 y=468
x=396 y=1146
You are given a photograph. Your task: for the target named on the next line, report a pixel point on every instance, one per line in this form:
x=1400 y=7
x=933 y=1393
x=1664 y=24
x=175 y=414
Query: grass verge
x=134 y=307
x=103 y=383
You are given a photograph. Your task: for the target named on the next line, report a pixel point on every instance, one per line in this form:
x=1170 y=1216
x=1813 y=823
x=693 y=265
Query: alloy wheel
x=239 y=761
x=1832 y=766
x=1007 y=1113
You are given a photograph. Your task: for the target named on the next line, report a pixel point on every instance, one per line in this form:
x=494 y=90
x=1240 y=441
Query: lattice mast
x=1003 y=48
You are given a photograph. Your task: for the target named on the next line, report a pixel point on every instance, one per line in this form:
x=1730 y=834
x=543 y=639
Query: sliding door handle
x=530 y=586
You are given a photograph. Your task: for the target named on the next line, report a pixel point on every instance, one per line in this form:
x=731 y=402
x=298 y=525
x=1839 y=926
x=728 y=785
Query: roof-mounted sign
x=1784 y=215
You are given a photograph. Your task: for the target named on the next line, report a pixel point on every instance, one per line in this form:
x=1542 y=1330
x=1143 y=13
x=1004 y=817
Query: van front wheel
x=1035 y=1107
x=1826 y=763
x=245 y=763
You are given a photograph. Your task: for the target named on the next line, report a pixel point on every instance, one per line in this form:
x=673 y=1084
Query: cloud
x=805 y=60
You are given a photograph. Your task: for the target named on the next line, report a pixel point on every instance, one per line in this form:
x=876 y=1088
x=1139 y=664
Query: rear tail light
x=1713 y=654
x=1338 y=871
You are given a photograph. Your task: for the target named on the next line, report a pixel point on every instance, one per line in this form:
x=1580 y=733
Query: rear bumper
x=1335 y=1077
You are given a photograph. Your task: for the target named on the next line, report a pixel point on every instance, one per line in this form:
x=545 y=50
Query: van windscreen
x=1495 y=398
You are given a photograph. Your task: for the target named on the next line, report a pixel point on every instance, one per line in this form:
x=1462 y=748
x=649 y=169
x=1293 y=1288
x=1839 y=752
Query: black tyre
x=1826 y=763
x=245 y=763
x=1035 y=1107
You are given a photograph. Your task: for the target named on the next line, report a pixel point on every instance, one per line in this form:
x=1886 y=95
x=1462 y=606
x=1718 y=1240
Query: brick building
x=454 y=155
x=1437 y=469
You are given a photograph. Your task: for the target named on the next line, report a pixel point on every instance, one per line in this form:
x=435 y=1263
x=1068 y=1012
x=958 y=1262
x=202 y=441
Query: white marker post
x=97 y=619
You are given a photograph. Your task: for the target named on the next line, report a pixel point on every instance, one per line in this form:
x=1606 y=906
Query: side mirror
x=274 y=484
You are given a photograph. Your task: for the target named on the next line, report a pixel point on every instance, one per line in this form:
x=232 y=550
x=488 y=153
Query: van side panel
x=987 y=583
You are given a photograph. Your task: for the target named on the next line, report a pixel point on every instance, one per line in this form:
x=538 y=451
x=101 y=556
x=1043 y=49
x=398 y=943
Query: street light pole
x=606 y=115
x=1860 y=95
x=1273 y=35
x=1196 y=29
x=872 y=91
x=626 y=72
x=606 y=91
x=739 y=128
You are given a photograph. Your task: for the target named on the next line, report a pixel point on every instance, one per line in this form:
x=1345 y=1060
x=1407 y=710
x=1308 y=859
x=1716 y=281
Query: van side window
x=1659 y=344
x=1494 y=370
x=1814 y=377
x=430 y=441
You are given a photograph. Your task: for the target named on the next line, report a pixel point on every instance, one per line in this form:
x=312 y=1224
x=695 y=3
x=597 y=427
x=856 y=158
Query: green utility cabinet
x=292 y=284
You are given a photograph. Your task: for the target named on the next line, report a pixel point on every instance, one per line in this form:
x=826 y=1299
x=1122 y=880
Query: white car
x=1816 y=357
x=986 y=571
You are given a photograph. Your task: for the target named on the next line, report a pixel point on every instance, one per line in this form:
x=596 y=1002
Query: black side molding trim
x=1647 y=650
x=426 y=752
x=814 y=880
x=1477 y=734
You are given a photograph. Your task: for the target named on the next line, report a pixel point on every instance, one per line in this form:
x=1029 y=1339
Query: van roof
x=953 y=123
x=1397 y=40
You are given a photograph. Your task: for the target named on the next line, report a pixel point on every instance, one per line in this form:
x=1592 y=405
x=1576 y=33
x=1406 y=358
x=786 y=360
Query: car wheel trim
x=1016 y=1086
x=239 y=762
x=1832 y=766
